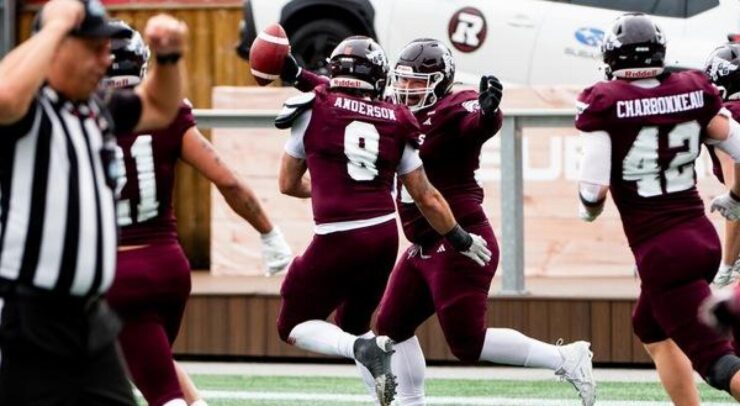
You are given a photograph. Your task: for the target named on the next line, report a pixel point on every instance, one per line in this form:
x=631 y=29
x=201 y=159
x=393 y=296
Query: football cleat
x=375 y=354
x=577 y=369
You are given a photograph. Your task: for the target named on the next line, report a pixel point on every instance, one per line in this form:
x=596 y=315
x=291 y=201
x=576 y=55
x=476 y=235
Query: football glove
x=478 y=250
x=291 y=70
x=726 y=275
x=275 y=252
x=727 y=206
x=491 y=91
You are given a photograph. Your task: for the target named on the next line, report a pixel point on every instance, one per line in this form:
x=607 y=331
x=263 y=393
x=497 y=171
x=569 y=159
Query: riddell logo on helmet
x=639 y=73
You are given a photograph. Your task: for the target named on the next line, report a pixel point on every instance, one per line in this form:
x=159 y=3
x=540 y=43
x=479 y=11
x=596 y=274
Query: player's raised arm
x=304 y=80
x=436 y=210
x=162 y=89
x=485 y=121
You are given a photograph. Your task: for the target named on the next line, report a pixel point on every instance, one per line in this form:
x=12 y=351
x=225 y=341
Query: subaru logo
x=591 y=37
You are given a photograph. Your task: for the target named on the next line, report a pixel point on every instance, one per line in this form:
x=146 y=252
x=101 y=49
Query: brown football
x=267 y=54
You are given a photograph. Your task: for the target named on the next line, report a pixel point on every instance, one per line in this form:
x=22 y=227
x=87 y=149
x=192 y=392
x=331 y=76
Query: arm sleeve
x=308 y=80
x=125 y=108
x=294 y=146
x=476 y=124
x=410 y=160
x=184 y=119
x=596 y=162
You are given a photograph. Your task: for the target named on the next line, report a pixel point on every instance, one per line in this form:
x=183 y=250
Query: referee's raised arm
x=25 y=68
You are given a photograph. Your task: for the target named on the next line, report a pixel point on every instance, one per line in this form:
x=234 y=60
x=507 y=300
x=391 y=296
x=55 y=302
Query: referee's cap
x=96 y=23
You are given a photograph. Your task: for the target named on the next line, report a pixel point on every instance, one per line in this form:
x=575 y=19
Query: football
x=267 y=54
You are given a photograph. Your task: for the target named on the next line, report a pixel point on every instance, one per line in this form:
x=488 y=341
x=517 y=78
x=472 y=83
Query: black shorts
x=60 y=351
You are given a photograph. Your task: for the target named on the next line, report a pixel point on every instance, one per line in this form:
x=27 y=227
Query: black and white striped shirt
x=57 y=218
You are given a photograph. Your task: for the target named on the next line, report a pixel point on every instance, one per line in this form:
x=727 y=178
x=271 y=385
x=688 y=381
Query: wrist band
x=168 y=59
x=459 y=238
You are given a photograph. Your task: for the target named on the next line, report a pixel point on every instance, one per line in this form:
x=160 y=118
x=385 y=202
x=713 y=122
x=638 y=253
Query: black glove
x=491 y=91
x=290 y=71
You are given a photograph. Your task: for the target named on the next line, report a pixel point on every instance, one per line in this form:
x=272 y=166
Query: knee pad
x=721 y=372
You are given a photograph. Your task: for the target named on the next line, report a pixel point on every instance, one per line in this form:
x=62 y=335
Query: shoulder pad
x=293 y=108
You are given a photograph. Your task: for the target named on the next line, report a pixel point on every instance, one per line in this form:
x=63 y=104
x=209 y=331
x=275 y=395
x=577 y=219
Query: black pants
x=60 y=351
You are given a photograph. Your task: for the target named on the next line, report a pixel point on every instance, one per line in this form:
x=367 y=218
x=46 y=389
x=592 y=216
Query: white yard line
x=452 y=372
x=431 y=400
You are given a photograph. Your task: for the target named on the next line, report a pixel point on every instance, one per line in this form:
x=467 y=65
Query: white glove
x=715 y=310
x=728 y=207
x=727 y=274
x=478 y=251
x=275 y=252
x=586 y=215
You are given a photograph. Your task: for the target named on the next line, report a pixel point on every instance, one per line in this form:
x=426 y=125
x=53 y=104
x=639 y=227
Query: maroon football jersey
x=655 y=135
x=145 y=212
x=353 y=147
x=454 y=132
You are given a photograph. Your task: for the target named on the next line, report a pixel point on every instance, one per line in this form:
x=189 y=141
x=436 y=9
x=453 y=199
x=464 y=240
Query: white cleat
x=578 y=370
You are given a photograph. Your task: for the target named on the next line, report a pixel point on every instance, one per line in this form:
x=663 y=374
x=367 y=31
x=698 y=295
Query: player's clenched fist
x=491 y=91
x=67 y=14
x=165 y=35
x=727 y=205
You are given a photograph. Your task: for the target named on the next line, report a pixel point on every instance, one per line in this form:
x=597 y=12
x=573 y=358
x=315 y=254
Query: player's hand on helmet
x=478 y=250
x=275 y=252
x=165 y=35
x=491 y=91
x=727 y=206
x=291 y=70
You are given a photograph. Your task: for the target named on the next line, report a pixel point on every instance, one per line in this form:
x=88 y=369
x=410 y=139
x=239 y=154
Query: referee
x=57 y=220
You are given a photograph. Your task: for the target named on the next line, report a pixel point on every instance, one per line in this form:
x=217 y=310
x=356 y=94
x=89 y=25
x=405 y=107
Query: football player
x=430 y=278
x=722 y=67
x=152 y=280
x=641 y=132
x=353 y=144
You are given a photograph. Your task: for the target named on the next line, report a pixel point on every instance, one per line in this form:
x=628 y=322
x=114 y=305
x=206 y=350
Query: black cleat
x=375 y=354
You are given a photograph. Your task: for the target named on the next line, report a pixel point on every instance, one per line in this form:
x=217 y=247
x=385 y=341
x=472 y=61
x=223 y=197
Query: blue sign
x=589 y=36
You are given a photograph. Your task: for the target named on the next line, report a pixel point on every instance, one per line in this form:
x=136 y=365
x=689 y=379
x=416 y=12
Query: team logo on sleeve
x=471 y=106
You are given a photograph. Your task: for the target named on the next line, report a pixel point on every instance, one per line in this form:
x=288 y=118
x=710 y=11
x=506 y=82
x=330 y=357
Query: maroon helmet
x=427 y=62
x=359 y=64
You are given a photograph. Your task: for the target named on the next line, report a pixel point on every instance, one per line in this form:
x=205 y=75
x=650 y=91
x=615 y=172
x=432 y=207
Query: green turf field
x=276 y=391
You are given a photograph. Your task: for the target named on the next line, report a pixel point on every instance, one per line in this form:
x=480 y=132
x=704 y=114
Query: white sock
x=324 y=338
x=507 y=346
x=408 y=364
x=199 y=402
x=367 y=378
x=176 y=402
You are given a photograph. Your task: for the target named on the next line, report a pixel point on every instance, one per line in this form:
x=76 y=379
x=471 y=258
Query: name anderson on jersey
x=365 y=108
x=660 y=105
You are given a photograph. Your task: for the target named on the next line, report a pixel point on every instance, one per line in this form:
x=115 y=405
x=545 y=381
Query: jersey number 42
x=641 y=163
